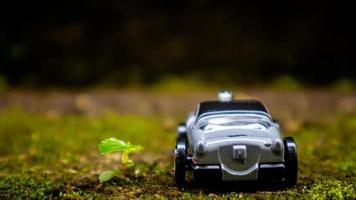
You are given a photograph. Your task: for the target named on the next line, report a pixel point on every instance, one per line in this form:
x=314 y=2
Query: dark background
x=81 y=43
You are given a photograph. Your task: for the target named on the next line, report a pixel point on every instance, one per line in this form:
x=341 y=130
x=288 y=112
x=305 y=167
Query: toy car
x=234 y=140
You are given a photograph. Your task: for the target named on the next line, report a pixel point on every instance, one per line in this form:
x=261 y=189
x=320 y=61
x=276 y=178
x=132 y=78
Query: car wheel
x=180 y=162
x=291 y=161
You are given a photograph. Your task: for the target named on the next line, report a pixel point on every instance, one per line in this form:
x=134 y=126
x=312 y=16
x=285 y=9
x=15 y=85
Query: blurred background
x=86 y=42
x=73 y=73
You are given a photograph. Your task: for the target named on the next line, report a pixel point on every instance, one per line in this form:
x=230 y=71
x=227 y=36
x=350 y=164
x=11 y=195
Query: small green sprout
x=111 y=145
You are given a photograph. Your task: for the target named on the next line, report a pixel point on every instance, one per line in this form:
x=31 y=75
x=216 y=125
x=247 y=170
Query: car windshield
x=236 y=121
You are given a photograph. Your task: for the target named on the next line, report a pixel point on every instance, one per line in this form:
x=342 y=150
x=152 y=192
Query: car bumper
x=207 y=172
x=271 y=171
x=263 y=172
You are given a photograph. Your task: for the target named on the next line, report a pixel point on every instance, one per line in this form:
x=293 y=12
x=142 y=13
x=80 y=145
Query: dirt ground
x=48 y=144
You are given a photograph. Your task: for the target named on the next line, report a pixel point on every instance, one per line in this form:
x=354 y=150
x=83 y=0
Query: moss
x=332 y=189
x=13 y=187
x=45 y=156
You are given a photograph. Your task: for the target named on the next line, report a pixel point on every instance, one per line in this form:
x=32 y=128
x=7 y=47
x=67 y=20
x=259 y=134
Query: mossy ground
x=54 y=155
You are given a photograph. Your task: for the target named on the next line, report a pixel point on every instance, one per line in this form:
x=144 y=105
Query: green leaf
x=114 y=145
x=106 y=175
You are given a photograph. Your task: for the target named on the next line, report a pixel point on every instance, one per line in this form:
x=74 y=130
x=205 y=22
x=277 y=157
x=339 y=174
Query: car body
x=234 y=140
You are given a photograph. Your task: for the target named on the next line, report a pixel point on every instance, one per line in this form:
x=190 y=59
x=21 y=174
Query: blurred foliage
x=84 y=43
x=286 y=83
x=344 y=85
x=3 y=84
x=182 y=85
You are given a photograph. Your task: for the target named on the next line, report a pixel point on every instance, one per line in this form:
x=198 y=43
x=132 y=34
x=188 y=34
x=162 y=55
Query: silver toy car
x=234 y=140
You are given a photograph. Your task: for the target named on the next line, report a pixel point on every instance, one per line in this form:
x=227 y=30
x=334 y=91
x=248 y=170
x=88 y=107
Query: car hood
x=235 y=134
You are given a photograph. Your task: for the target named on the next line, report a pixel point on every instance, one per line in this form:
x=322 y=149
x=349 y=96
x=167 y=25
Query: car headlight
x=181 y=129
x=277 y=146
x=200 y=148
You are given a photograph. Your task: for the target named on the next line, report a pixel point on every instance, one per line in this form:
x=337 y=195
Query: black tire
x=180 y=163
x=291 y=161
